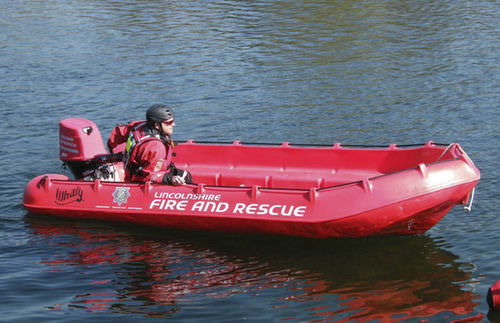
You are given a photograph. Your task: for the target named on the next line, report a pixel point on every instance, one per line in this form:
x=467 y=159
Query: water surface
x=356 y=72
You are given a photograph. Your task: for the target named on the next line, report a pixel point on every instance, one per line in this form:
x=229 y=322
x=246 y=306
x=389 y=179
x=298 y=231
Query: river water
x=356 y=72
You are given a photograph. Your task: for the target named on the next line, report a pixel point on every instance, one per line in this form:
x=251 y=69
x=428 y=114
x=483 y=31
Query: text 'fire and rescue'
x=163 y=202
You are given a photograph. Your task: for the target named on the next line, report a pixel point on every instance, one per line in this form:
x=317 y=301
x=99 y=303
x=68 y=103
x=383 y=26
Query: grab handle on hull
x=469 y=200
x=445 y=151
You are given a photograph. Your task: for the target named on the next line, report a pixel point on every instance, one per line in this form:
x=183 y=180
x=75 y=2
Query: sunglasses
x=168 y=122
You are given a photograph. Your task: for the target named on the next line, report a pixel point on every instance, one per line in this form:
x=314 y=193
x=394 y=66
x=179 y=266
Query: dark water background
x=356 y=72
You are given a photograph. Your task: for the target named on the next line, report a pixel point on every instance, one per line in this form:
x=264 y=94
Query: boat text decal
x=211 y=203
x=121 y=195
x=69 y=196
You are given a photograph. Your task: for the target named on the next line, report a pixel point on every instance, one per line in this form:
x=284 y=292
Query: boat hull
x=406 y=202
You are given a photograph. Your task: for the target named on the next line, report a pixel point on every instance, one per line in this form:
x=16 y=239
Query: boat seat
x=275 y=179
x=233 y=178
x=227 y=177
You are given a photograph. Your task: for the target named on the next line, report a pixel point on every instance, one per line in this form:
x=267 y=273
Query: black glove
x=167 y=178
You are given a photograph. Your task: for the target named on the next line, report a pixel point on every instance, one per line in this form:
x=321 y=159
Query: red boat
x=309 y=191
x=493 y=297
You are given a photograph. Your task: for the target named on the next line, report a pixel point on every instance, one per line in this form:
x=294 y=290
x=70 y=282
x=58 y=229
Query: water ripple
x=307 y=72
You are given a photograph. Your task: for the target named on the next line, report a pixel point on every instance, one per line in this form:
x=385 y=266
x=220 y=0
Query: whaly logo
x=69 y=196
x=121 y=195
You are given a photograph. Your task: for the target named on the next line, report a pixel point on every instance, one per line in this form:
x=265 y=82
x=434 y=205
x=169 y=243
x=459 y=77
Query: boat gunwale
x=306 y=145
x=303 y=190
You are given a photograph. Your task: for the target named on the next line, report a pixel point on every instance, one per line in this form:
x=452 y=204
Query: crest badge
x=121 y=195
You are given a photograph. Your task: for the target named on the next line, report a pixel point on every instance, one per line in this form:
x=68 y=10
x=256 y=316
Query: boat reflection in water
x=159 y=273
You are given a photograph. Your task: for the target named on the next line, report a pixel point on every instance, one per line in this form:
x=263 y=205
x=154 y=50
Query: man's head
x=161 y=117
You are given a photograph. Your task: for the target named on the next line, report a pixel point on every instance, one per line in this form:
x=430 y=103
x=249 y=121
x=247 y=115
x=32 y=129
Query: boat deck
x=286 y=166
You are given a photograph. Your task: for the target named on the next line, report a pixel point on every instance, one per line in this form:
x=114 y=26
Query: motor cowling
x=81 y=148
x=79 y=140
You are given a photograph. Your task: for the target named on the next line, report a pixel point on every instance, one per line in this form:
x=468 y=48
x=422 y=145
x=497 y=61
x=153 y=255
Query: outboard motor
x=81 y=148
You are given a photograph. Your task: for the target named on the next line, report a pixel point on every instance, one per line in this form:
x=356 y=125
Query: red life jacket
x=135 y=134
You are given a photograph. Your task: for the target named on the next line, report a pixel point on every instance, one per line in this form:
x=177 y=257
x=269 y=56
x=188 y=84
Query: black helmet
x=159 y=113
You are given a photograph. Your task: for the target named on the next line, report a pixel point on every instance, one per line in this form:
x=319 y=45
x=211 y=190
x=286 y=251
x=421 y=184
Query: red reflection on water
x=393 y=302
x=95 y=301
x=167 y=273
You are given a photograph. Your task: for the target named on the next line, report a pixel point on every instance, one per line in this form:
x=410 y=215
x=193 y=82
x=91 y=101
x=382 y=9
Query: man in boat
x=149 y=146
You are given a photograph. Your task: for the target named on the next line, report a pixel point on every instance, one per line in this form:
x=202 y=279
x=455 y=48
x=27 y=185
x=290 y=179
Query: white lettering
x=210 y=205
x=154 y=203
x=251 y=208
x=271 y=210
x=197 y=206
x=181 y=206
x=284 y=211
x=263 y=208
x=222 y=207
x=170 y=205
x=300 y=211
x=189 y=196
x=239 y=207
x=206 y=204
